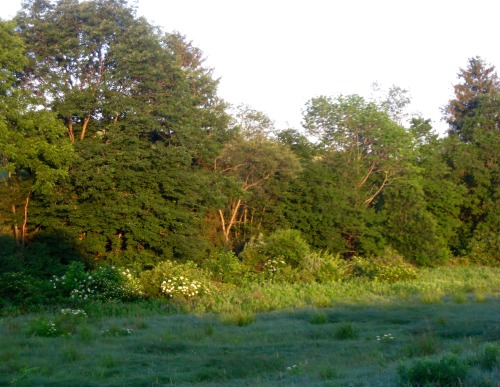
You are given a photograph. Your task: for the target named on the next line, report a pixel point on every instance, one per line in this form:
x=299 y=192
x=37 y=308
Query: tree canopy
x=113 y=136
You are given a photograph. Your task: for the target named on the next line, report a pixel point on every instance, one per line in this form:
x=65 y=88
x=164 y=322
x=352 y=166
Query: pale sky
x=274 y=55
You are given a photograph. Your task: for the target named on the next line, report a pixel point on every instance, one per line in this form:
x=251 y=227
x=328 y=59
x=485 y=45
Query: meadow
x=443 y=328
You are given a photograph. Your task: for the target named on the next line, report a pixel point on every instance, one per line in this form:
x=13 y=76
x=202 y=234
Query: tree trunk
x=85 y=124
x=70 y=131
x=25 y=220
x=15 y=229
x=227 y=228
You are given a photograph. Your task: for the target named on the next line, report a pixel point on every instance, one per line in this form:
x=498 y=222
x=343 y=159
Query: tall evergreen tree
x=478 y=80
x=473 y=153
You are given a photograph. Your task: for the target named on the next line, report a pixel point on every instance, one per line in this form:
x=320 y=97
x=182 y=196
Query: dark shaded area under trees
x=115 y=149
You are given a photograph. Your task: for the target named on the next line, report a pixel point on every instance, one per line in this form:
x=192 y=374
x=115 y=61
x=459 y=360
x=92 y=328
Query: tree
x=362 y=140
x=250 y=123
x=473 y=154
x=34 y=153
x=253 y=168
x=420 y=214
x=150 y=124
x=478 y=80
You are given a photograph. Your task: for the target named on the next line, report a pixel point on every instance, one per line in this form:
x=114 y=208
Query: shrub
x=178 y=281
x=282 y=245
x=487 y=358
x=323 y=267
x=104 y=284
x=287 y=245
x=22 y=289
x=43 y=327
x=226 y=267
x=449 y=371
x=389 y=268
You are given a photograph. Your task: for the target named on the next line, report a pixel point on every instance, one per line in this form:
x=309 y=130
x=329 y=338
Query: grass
x=368 y=334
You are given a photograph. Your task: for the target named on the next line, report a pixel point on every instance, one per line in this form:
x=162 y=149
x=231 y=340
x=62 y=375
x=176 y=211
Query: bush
x=389 y=268
x=282 y=245
x=177 y=281
x=62 y=325
x=323 y=267
x=487 y=359
x=287 y=245
x=22 y=289
x=104 y=284
x=226 y=267
x=449 y=371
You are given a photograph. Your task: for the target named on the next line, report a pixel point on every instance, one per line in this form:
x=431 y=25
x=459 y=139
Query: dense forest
x=116 y=150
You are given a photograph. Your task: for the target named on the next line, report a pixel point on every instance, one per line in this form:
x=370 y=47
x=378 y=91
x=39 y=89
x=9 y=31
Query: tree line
x=116 y=149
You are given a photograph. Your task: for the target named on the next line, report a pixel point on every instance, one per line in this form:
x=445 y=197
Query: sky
x=275 y=55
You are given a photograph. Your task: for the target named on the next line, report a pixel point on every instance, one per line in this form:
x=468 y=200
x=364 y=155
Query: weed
x=423 y=344
x=459 y=298
x=43 y=327
x=449 y=371
x=487 y=358
x=318 y=318
x=86 y=334
x=321 y=301
x=70 y=353
x=386 y=338
x=328 y=373
x=238 y=317
x=346 y=331
x=116 y=331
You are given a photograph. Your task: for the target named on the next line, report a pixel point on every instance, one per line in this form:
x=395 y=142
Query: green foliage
x=318 y=318
x=18 y=288
x=282 y=245
x=178 y=281
x=346 y=331
x=63 y=324
x=423 y=344
x=116 y=331
x=448 y=371
x=488 y=356
x=389 y=268
x=226 y=267
x=288 y=245
x=324 y=267
x=43 y=327
x=237 y=317
x=103 y=284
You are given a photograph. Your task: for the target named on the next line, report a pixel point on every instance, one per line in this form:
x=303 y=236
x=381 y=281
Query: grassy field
x=446 y=322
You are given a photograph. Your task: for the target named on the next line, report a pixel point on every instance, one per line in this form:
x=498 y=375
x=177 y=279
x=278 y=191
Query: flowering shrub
x=105 y=283
x=173 y=280
x=180 y=286
x=43 y=327
x=273 y=267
